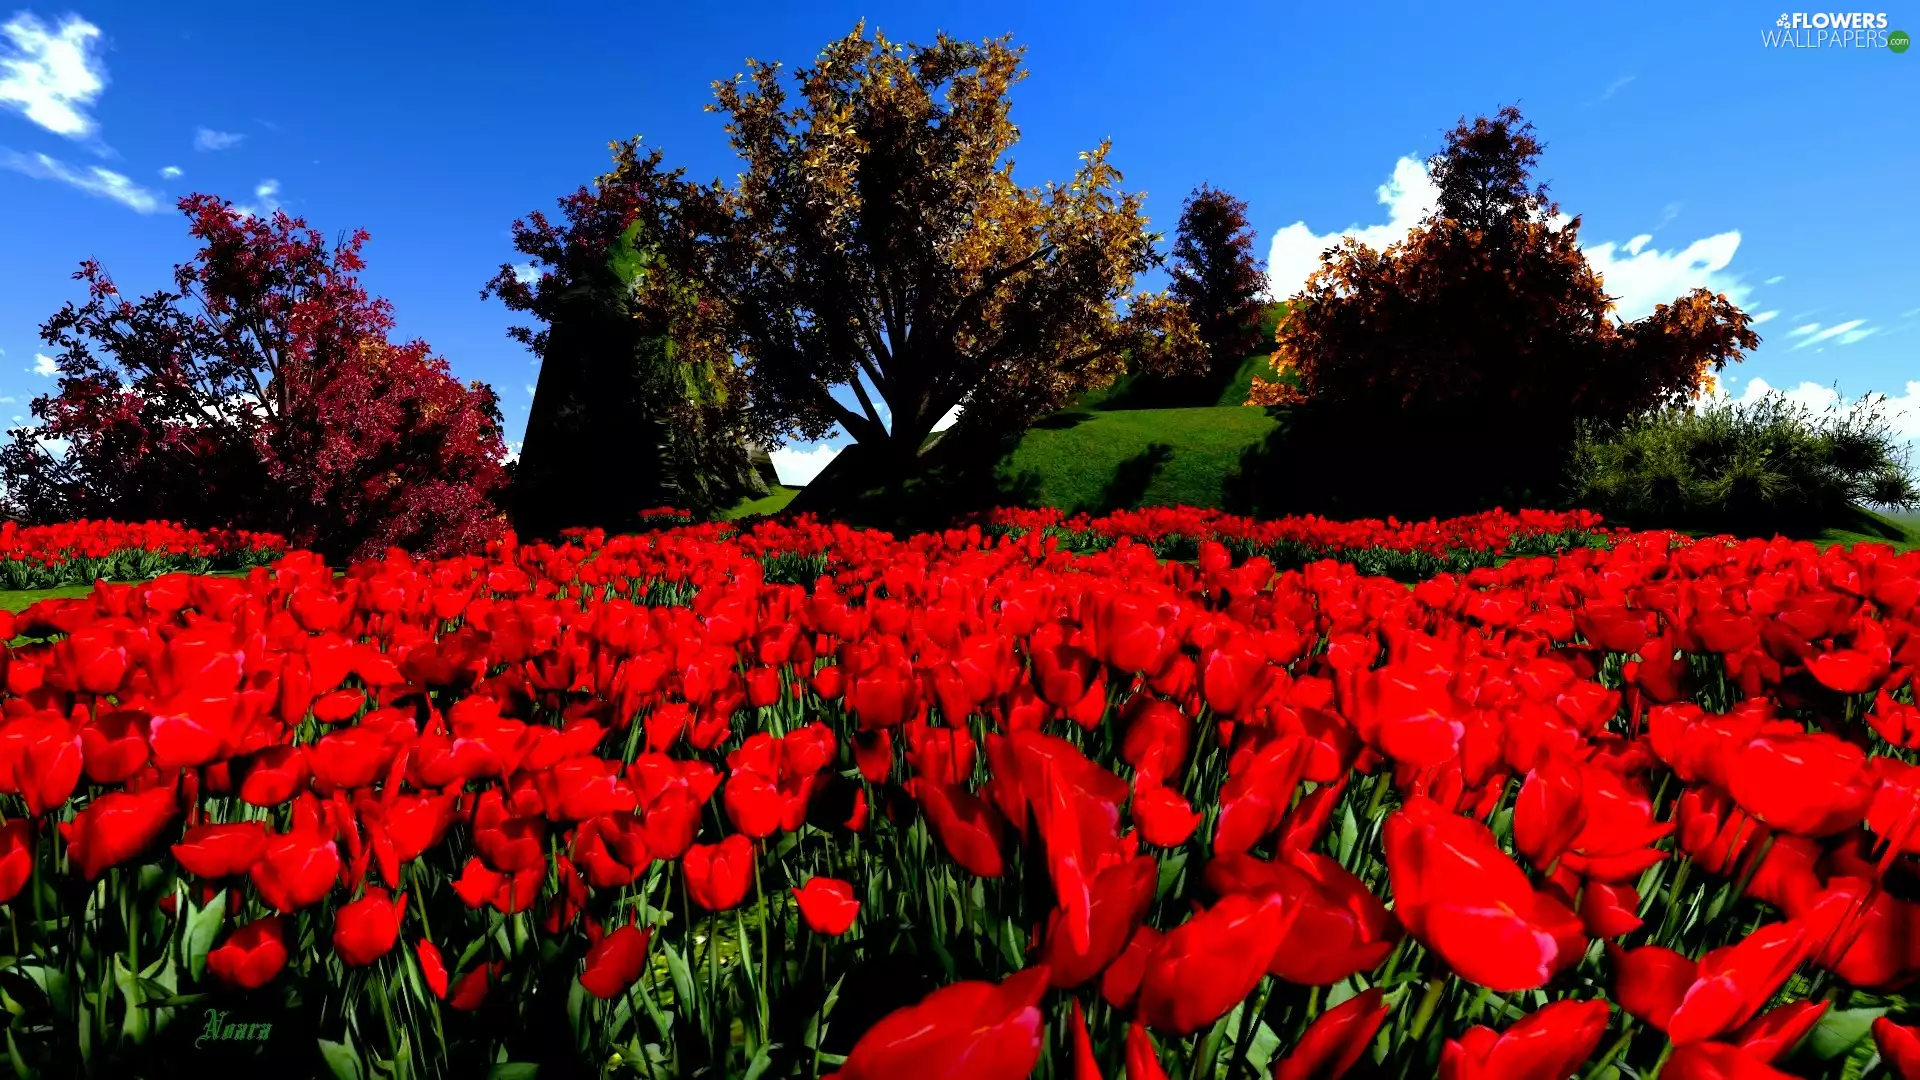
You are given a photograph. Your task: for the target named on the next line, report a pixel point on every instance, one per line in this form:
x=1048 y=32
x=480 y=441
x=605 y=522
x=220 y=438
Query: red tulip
x=1336 y=1039
x=251 y=956
x=44 y=760
x=1718 y=1061
x=1143 y=1062
x=966 y=1031
x=1549 y=1044
x=1163 y=817
x=470 y=990
x=826 y=905
x=509 y=894
x=615 y=962
x=116 y=827
x=296 y=870
x=1696 y=1002
x=753 y=804
x=1549 y=812
x=1899 y=1047
x=966 y=827
x=1119 y=899
x=113 y=747
x=1203 y=967
x=217 y=851
x=1084 y=1065
x=611 y=850
x=432 y=967
x=17 y=851
x=719 y=875
x=1608 y=911
x=276 y=775
x=1339 y=928
x=1120 y=983
x=1812 y=785
x=1459 y=893
x=366 y=929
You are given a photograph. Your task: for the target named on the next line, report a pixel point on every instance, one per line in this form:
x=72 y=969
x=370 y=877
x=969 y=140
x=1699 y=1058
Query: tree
x=1487 y=333
x=262 y=392
x=1216 y=275
x=638 y=401
x=877 y=245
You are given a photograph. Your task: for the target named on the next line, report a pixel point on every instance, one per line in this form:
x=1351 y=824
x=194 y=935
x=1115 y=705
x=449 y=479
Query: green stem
x=1429 y=1002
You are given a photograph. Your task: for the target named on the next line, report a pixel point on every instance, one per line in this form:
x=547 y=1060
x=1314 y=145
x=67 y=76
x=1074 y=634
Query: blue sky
x=1695 y=153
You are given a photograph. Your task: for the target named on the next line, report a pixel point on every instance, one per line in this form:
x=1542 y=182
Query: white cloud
x=1765 y=316
x=1848 y=332
x=527 y=273
x=267 y=199
x=93 y=179
x=1616 y=86
x=170 y=172
x=43 y=364
x=1775 y=279
x=51 y=76
x=1294 y=252
x=9 y=400
x=1902 y=411
x=1640 y=277
x=1636 y=273
x=209 y=139
x=529 y=389
x=796 y=466
x=513 y=452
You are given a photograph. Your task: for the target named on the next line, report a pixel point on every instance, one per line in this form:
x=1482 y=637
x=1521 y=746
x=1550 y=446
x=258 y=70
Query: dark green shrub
x=1751 y=467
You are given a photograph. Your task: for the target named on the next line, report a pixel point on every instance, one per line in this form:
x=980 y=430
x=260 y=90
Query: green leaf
x=1349 y=835
x=1840 y=1031
x=203 y=925
x=341 y=1060
x=138 y=1021
x=514 y=1070
x=53 y=983
x=761 y=1063
x=19 y=1063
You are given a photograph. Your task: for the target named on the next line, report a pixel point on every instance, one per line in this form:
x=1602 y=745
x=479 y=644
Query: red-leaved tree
x=261 y=392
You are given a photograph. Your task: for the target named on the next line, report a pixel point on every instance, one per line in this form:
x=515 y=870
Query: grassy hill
x=1098 y=460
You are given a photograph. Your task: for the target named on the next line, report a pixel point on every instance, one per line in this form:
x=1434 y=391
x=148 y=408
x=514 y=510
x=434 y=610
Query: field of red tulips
x=82 y=552
x=800 y=800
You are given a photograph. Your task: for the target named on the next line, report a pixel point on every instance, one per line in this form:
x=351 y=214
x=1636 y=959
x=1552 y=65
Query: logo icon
x=1898 y=41
x=1783 y=20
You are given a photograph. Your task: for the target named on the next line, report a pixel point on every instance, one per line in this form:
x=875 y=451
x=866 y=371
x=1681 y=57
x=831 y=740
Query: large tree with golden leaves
x=880 y=265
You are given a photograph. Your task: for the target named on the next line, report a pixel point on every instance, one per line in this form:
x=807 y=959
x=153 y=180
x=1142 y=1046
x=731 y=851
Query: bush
x=1763 y=466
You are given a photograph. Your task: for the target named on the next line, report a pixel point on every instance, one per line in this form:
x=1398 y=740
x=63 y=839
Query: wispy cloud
x=52 y=76
x=43 y=365
x=170 y=172
x=1775 y=279
x=266 y=199
x=527 y=273
x=1616 y=86
x=93 y=179
x=1847 y=333
x=1765 y=316
x=209 y=139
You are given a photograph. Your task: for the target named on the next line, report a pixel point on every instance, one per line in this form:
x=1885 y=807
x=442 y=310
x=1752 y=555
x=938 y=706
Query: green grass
x=771 y=503
x=1094 y=460
x=1902 y=531
x=17 y=600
